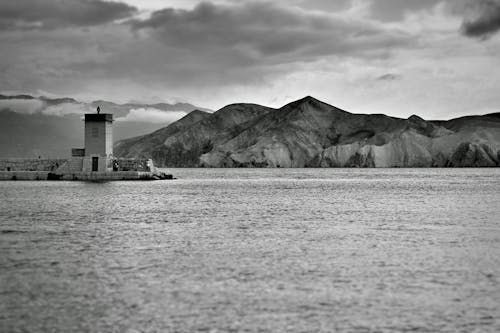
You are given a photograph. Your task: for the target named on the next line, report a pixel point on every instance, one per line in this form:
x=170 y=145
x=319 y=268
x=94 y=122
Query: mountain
x=182 y=143
x=32 y=126
x=310 y=133
x=145 y=145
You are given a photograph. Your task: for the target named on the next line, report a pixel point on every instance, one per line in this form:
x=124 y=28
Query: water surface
x=252 y=250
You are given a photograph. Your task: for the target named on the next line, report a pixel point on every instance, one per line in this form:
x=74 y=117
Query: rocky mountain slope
x=144 y=146
x=310 y=133
x=32 y=126
x=182 y=143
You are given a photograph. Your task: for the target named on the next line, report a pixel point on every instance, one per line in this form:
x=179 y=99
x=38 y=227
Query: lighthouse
x=94 y=162
x=98 y=151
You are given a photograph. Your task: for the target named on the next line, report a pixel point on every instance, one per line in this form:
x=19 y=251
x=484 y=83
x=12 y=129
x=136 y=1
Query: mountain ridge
x=311 y=133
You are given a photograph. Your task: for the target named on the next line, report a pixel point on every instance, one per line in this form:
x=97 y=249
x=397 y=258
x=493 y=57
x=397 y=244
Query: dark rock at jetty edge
x=310 y=133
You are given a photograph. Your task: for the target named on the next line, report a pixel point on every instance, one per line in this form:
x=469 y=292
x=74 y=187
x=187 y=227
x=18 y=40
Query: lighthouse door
x=95 y=163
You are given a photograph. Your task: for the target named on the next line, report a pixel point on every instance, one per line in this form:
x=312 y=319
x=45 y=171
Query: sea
x=254 y=250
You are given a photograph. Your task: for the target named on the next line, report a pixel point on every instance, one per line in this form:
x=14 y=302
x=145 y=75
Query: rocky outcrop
x=144 y=146
x=474 y=155
x=185 y=148
x=310 y=133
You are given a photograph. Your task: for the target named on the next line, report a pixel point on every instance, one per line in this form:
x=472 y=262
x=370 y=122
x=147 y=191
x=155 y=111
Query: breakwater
x=63 y=169
x=35 y=164
x=83 y=176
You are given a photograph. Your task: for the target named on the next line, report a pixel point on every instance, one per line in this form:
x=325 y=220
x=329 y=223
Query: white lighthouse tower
x=98 y=153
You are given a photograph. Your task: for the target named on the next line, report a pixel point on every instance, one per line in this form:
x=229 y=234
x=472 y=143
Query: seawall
x=82 y=176
x=34 y=164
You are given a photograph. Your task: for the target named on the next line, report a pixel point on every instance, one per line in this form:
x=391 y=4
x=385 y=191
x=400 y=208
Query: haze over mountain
x=310 y=133
x=41 y=126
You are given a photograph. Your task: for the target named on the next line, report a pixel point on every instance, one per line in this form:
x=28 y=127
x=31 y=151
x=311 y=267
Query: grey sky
x=438 y=59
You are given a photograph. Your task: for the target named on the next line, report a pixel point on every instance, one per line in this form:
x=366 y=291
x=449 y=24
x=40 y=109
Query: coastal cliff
x=310 y=133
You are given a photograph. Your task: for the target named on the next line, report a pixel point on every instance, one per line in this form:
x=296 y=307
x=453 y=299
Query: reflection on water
x=279 y=250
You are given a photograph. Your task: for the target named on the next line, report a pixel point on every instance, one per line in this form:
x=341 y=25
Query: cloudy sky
x=435 y=58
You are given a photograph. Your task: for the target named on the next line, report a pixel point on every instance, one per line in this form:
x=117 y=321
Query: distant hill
x=32 y=126
x=145 y=145
x=194 y=136
x=310 y=133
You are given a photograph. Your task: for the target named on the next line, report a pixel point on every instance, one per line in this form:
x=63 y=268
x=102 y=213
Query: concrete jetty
x=83 y=176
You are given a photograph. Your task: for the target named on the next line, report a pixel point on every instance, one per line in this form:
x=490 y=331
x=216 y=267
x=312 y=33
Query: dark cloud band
x=486 y=19
x=41 y=14
x=266 y=30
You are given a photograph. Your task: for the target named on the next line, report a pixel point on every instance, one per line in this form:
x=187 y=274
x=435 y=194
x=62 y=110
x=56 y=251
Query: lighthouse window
x=95 y=132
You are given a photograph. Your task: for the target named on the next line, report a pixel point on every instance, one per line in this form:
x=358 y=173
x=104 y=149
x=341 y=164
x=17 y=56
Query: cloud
x=38 y=14
x=389 y=77
x=269 y=52
x=206 y=48
x=26 y=106
x=394 y=10
x=35 y=105
x=142 y=115
x=152 y=115
x=257 y=30
x=322 y=5
x=484 y=19
x=67 y=108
